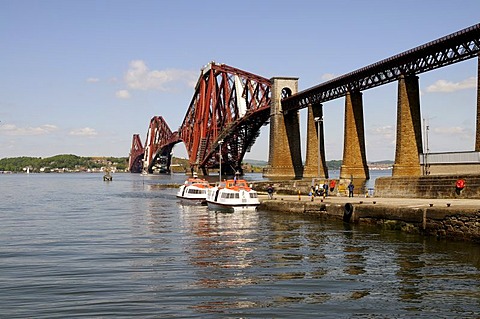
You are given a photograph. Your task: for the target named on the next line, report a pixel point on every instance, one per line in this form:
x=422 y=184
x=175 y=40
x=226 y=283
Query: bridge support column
x=285 y=158
x=315 y=163
x=354 y=164
x=477 y=135
x=409 y=128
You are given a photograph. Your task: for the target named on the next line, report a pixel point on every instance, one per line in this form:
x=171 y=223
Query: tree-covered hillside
x=61 y=162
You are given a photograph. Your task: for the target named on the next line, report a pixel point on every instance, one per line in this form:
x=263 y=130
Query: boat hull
x=192 y=201
x=231 y=207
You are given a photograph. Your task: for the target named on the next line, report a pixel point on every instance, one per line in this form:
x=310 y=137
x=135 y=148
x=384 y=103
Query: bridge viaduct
x=230 y=105
x=284 y=156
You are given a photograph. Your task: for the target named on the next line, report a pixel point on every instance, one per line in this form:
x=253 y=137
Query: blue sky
x=81 y=77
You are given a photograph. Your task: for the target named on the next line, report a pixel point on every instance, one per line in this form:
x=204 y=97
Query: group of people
x=322 y=190
x=318 y=190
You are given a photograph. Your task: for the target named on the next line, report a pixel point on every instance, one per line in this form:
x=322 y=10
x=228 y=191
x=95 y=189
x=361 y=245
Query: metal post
x=427 y=169
x=426 y=150
x=220 y=142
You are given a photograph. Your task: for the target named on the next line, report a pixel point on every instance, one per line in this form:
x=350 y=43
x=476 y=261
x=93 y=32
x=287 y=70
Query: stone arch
x=286 y=92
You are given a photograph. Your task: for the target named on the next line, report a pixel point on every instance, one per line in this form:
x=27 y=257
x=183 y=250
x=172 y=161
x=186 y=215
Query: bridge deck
x=453 y=48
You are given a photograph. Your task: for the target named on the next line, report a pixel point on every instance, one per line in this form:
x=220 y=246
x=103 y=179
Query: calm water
x=73 y=246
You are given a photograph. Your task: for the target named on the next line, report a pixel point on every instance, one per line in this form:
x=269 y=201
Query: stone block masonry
x=429 y=186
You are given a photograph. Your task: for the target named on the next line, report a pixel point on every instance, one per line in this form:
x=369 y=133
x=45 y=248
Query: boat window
x=196 y=191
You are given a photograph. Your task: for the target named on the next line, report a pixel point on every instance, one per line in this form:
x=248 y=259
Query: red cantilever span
x=135 y=161
x=227 y=110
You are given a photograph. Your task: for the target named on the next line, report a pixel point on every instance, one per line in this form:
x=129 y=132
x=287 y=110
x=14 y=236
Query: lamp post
x=220 y=142
x=425 y=164
x=318 y=120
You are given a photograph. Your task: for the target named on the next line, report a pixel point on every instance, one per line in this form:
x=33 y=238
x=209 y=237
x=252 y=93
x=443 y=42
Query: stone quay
x=451 y=218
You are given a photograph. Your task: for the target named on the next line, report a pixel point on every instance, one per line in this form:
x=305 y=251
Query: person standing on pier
x=270 y=191
x=350 y=189
x=332 y=186
x=325 y=189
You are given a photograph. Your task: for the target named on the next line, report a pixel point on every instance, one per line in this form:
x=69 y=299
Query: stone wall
x=458 y=223
x=428 y=187
x=287 y=187
x=463 y=224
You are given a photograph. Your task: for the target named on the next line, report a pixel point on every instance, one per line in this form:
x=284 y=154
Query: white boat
x=194 y=190
x=232 y=195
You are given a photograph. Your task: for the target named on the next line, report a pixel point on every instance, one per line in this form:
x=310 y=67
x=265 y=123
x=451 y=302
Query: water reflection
x=220 y=250
x=410 y=271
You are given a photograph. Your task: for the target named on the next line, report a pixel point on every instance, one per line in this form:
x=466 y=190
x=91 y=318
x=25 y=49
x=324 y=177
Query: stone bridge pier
x=285 y=158
x=409 y=128
x=354 y=163
x=315 y=162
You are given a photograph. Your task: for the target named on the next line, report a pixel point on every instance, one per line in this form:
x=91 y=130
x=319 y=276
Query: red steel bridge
x=230 y=105
x=222 y=122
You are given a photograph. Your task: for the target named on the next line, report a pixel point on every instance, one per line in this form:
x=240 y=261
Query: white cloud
x=13 y=130
x=93 y=80
x=139 y=77
x=386 y=132
x=448 y=87
x=453 y=131
x=86 y=131
x=328 y=76
x=122 y=94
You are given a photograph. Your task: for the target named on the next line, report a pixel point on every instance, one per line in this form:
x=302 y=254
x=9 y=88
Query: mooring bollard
x=347 y=212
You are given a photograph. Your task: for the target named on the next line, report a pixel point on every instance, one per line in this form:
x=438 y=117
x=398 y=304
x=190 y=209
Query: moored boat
x=194 y=190
x=232 y=195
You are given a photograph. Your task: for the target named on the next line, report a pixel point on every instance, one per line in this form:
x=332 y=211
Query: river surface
x=72 y=245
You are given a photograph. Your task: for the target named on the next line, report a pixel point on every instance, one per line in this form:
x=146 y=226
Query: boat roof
x=191 y=181
x=231 y=183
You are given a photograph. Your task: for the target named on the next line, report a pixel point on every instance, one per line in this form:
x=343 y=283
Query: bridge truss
x=222 y=122
x=226 y=112
x=135 y=163
x=453 y=48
